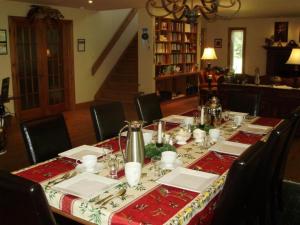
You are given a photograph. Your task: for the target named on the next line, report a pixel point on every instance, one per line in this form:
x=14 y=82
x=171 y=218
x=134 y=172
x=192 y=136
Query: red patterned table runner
x=163 y=202
x=191 y=112
x=48 y=170
x=267 y=121
x=245 y=138
x=169 y=126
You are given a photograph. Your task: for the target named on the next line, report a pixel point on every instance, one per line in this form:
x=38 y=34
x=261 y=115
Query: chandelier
x=179 y=9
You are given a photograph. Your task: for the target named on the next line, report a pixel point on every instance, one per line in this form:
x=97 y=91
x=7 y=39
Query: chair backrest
x=243 y=102
x=107 y=119
x=45 y=138
x=23 y=202
x=148 y=108
x=284 y=147
x=231 y=206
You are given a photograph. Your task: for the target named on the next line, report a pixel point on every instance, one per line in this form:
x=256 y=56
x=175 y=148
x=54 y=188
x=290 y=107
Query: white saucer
x=174 y=165
x=80 y=168
x=181 y=142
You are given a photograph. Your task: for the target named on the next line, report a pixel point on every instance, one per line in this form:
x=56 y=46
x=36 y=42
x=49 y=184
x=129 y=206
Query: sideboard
x=275 y=101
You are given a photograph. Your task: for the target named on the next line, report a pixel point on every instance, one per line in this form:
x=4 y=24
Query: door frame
x=68 y=60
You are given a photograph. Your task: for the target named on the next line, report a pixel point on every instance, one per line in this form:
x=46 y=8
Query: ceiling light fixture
x=178 y=9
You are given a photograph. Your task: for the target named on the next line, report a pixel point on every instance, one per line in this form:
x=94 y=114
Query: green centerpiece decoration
x=153 y=150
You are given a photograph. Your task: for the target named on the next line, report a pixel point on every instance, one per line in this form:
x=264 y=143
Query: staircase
x=122 y=82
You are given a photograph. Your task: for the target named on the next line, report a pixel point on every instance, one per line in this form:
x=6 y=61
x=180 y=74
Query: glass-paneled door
x=41 y=65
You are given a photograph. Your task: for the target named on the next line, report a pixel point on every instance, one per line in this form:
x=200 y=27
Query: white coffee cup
x=133 y=172
x=89 y=162
x=147 y=137
x=214 y=134
x=168 y=157
x=199 y=135
x=238 y=119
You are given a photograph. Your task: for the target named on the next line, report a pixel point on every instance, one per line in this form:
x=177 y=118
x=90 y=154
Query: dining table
x=148 y=202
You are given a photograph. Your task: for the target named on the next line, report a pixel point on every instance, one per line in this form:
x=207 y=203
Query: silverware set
x=110 y=197
x=64 y=177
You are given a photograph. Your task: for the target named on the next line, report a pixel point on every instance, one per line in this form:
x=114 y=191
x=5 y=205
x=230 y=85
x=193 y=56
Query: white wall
x=146 y=56
x=256 y=32
x=96 y=28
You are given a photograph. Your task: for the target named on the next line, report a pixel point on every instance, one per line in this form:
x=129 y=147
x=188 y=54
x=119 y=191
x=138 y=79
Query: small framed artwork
x=3 y=48
x=3 y=42
x=218 y=43
x=281 y=31
x=81 y=45
x=3 y=37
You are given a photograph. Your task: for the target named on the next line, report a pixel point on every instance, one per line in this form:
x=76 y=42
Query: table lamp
x=209 y=54
x=294 y=59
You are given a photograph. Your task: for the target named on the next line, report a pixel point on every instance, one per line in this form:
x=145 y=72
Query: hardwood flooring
x=81 y=131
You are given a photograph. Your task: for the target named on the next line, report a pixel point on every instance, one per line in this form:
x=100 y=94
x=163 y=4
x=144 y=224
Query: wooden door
x=42 y=67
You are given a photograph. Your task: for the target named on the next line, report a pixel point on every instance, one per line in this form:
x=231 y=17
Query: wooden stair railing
x=113 y=40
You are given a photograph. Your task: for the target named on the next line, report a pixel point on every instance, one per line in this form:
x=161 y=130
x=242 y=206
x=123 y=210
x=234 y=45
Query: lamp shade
x=294 y=57
x=209 y=54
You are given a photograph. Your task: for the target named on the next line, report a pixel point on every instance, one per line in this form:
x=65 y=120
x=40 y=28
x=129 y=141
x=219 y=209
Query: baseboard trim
x=83 y=105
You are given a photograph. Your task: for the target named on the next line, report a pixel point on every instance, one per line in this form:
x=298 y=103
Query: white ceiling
x=250 y=8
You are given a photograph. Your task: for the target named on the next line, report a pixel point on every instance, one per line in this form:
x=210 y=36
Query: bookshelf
x=175 y=51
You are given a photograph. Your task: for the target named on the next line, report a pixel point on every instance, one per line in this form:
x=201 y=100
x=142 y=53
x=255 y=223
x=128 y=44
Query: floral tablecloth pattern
x=148 y=202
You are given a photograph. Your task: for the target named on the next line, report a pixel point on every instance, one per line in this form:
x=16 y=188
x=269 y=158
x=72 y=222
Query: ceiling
x=250 y=8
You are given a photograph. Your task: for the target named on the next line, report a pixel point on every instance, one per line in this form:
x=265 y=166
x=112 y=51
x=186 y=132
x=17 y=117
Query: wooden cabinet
x=274 y=102
x=175 y=51
x=276 y=59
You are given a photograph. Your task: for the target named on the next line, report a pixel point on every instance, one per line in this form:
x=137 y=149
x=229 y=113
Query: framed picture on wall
x=281 y=31
x=81 y=45
x=3 y=37
x=3 y=42
x=218 y=43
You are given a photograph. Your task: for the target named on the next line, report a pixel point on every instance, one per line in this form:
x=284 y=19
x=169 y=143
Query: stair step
x=109 y=99
x=122 y=82
x=123 y=87
x=123 y=79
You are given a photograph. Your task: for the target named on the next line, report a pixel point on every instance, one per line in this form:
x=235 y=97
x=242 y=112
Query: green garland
x=152 y=150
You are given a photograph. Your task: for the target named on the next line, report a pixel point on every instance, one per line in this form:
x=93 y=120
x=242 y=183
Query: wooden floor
x=81 y=132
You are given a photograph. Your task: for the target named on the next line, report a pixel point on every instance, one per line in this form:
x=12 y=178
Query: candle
x=159 y=132
x=202 y=116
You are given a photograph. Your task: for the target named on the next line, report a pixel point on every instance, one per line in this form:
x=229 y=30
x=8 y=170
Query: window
x=237 y=49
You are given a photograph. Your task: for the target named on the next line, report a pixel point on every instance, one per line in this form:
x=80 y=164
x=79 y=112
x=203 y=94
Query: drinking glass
x=155 y=161
x=113 y=166
x=107 y=150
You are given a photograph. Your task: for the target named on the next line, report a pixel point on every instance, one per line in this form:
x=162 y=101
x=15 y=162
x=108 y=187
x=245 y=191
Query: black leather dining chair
x=261 y=199
x=243 y=102
x=107 y=119
x=45 y=138
x=148 y=108
x=23 y=202
x=232 y=208
x=283 y=151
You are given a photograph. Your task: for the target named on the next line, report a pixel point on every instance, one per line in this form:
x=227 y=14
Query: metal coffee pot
x=214 y=111
x=135 y=149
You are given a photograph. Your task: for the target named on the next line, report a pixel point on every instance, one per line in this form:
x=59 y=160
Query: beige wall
x=146 y=56
x=96 y=28
x=256 y=32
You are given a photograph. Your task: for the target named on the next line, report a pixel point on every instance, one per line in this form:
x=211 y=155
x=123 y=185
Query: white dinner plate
x=188 y=179
x=78 y=152
x=86 y=185
x=175 y=119
x=256 y=129
x=229 y=147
